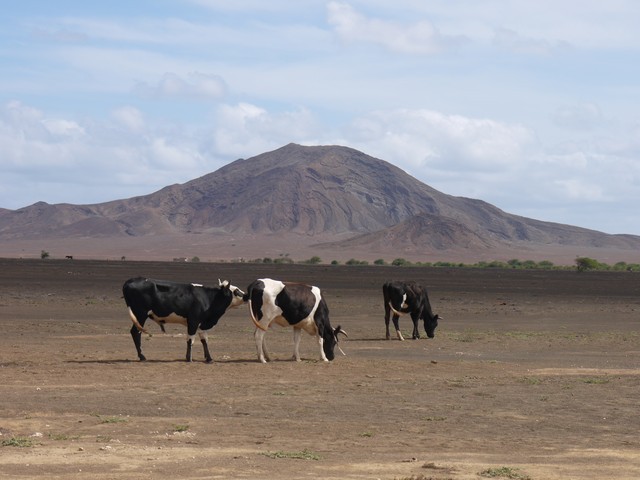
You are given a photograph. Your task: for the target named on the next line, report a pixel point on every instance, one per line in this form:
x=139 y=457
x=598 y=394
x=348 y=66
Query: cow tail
x=397 y=312
x=136 y=322
x=253 y=317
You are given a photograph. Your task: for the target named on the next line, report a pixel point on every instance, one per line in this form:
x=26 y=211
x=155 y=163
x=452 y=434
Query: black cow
x=291 y=305
x=411 y=298
x=197 y=307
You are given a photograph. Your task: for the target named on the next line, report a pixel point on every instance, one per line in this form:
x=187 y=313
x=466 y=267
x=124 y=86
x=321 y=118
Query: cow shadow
x=373 y=339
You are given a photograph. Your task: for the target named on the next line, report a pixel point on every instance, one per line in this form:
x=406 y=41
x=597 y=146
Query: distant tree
x=496 y=264
x=399 y=262
x=195 y=259
x=313 y=260
x=335 y=262
x=44 y=254
x=353 y=261
x=585 y=263
x=379 y=261
x=283 y=260
x=267 y=260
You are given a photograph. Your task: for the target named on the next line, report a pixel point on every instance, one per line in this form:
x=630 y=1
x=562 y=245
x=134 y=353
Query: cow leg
x=323 y=357
x=263 y=356
x=137 y=341
x=387 y=318
x=397 y=326
x=414 y=318
x=189 y=346
x=297 y=333
x=205 y=345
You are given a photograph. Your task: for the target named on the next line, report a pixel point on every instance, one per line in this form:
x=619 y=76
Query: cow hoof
x=142 y=358
x=208 y=360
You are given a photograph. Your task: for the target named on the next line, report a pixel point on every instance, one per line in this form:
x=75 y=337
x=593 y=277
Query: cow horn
x=340 y=330
x=224 y=283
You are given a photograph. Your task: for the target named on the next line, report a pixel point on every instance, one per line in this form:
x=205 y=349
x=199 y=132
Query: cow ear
x=223 y=284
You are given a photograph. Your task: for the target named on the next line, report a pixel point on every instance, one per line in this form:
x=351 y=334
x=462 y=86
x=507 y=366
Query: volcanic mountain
x=319 y=200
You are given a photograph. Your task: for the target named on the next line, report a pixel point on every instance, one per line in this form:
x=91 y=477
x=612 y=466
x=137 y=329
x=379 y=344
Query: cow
x=193 y=305
x=411 y=298
x=291 y=305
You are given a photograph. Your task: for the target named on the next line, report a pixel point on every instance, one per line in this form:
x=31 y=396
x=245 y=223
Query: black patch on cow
x=255 y=292
x=296 y=302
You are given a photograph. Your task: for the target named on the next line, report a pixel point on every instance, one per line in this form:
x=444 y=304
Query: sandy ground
x=531 y=374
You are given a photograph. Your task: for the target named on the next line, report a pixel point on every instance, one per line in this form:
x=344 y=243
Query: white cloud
x=512 y=40
x=129 y=117
x=196 y=86
x=445 y=142
x=61 y=127
x=419 y=37
x=584 y=116
x=245 y=129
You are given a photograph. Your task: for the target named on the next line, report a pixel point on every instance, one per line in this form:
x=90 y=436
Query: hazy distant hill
x=334 y=197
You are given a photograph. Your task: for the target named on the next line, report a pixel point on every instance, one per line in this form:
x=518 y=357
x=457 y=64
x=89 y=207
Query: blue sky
x=530 y=106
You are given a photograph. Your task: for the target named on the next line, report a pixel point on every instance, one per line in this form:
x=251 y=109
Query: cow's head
x=430 y=325
x=237 y=295
x=330 y=341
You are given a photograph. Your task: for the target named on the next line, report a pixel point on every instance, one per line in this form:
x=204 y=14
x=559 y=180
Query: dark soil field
x=532 y=375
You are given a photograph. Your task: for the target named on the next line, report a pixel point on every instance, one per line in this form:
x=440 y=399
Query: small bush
x=303 y=455
x=504 y=472
x=400 y=262
x=313 y=260
x=353 y=261
x=113 y=420
x=585 y=263
x=17 y=442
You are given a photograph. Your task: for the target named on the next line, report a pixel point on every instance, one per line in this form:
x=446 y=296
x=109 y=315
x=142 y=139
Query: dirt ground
x=531 y=374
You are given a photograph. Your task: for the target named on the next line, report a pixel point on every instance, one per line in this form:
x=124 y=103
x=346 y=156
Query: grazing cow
x=291 y=305
x=196 y=307
x=411 y=298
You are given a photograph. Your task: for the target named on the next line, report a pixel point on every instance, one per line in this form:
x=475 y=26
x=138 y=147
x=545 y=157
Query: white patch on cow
x=237 y=298
x=270 y=311
x=404 y=301
x=197 y=284
x=203 y=335
x=171 y=318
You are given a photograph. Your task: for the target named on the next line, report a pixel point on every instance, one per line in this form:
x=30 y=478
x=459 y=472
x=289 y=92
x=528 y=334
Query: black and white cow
x=411 y=298
x=195 y=306
x=291 y=305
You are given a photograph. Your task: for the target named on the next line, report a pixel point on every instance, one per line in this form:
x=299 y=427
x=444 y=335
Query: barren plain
x=532 y=374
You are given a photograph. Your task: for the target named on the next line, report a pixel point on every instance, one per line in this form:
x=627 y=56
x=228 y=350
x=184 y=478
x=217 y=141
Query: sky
x=533 y=107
